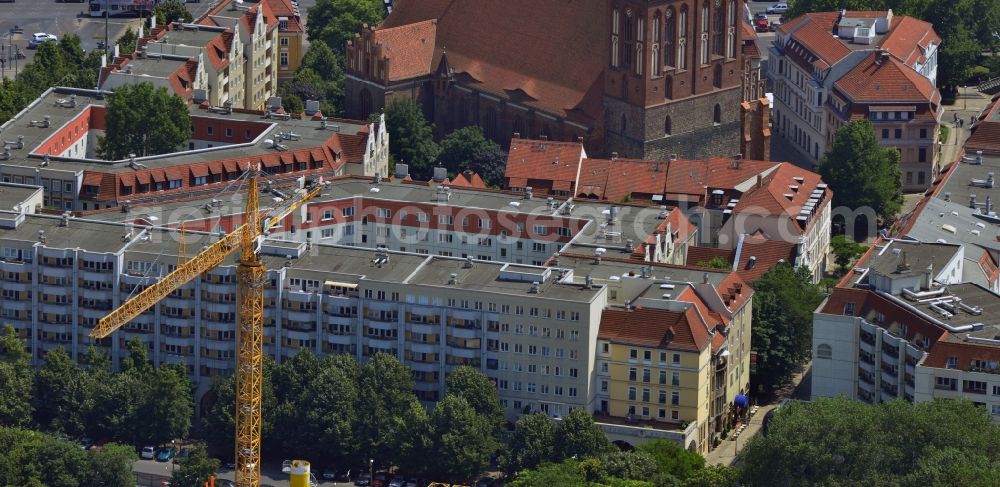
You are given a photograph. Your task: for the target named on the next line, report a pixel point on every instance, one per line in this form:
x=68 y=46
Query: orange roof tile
x=908 y=37
x=889 y=80
x=765 y=253
x=544 y=159
x=468 y=179
x=410 y=49
x=655 y=328
x=770 y=196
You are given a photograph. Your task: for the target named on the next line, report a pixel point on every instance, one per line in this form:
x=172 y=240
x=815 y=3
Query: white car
x=148 y=453
x=778 y=8
x=39 y=37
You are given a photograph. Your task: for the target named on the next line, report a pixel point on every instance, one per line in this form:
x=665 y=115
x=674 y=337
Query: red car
x=762 y=25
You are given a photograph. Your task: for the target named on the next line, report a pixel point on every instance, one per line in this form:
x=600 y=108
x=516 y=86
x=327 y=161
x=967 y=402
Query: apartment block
x=291 y=37
x=53 y=145
x=258 y=32
x=829 y=68
x=910 y=322
x=529 y=290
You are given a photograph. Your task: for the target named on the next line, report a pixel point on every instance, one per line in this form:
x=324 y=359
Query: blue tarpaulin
x=741 y=401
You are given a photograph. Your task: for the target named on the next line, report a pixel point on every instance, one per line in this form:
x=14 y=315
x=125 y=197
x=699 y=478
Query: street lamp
x=371 y=471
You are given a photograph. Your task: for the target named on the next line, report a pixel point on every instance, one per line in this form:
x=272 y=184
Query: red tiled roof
x=410 y=49
x=769 y=197
x=820 y=42
x=767 y=254
x=868 y=303
x=963 y=353
x=468 y=179
x=890 y=80
x=619 y=178
x=907 y=37
x=516 y=52
x=543 y=159
x=654 y=327
x=692 y=176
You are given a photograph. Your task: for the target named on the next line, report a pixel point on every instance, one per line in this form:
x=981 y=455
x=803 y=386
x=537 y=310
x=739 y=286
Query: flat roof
x=187 y=37
x=310 y=133
x=487 y=277
x=153 y=66
x=611 y=270
x=903 y=259
x=986 y=302
x=88 y=235
x=15 y=194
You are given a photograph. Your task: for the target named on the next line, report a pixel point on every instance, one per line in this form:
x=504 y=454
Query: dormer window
x=848 y=309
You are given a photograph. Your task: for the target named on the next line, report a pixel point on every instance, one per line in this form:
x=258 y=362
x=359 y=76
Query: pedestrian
x=972 y=120
x=961 y=123
x=955 y=117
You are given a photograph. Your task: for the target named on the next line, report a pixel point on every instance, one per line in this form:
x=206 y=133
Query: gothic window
x=670 y=39
x=731 y=31
x=717 y=114
x=703 y=38
x=615 y=28
x=654 y=47
x=668 y=88
x=629 y=35
x=668 y=126
x=490 y=123
x=717 y=76
x=624 y=124
x=718 y=29
x=519 y=127
x=640 y=24
x=366 y=103
x=682 y=31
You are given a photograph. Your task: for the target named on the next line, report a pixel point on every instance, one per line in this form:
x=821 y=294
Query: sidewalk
x=728 y=449
x=969 y=102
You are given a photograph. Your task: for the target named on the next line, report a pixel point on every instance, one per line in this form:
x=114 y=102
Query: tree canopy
x=411 y=138
x=143 y=120
x=60 y=63
x=37 y=460
x=784 y=301
x=862 y=173
x=172 y=11
x=195 y=470
x=845 y=250
x=716 y=263
x=320 y=77
x=15 y=380
x=467 y=148
x=334 y=22
x=838 y=441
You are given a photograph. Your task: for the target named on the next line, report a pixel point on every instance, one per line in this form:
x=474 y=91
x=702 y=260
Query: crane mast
x=250 y=315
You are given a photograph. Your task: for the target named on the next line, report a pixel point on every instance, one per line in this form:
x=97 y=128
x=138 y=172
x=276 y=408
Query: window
x=922 y=154
x=677 y=359
x=824 y=351
x=848 y=309
x=349 y=211
x=209 y=130
x=654 y=47
x=669 y=39
x=923 y=133
x=632 y=371
x=615 y=29
x=640 y=24
x=675 y=379
x=662 y=399
x=717 y=114
x=627 y=54
x=645 y=375
x=720 y=26
x=703 y=44
x=885 y=133
x=631 y=393
x=898 y=133
x=663 y=377
x=682 y=38
x=952 y=363
x=645 y=395
x=229 y=132
x=675 y=398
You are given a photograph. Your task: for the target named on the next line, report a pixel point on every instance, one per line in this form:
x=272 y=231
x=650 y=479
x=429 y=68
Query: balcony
x=868 y=338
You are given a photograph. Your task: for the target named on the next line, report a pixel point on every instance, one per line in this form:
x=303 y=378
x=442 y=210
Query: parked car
x=774 y=25
x=182 y=455
x=224 y=483
x=286 y=466
x=39 y=37
x=148 y=453
x=165 y=454
x=411 y=483
x=761 y=25
x=363 y=480
x=396 y=481
x=86 y=443
x=778 y=8
x=329 y=473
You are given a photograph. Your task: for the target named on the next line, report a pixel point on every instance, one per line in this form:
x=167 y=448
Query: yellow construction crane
x=250 y=315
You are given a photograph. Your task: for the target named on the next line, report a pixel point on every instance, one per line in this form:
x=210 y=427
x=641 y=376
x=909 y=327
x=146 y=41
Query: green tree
x=334 y=22
x=168 y=408
x=565 y=474
x=837 y=441
x=218 y=424
x=385 y=392
x=713 y=476
x=959 y=47
x=62 y=395
x=463 y=440
x=845 y=250
x=110 y=466
x=172 y=11
x=862 y=173
x=472 y=385
x=715 y=263
x=783 y=305
x=15 y=380
x=577 y=436
x=127 y=41
x=143 y=120
x=672 y=458
x=490 y=162
x=630 y=465
x=459 y=147
x=531 y=444
x=411 y=138
x=196 y=469
x=413 y=438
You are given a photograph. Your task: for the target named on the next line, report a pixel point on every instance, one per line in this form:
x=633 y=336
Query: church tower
x=674 y=76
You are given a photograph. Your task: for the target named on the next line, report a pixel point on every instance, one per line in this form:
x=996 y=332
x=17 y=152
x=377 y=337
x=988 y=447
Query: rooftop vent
x=535 y=287
x=453 y=279
x=528 y=192
x=469 y=262
x=588 y=282
x=440 y=174
x=41 y=236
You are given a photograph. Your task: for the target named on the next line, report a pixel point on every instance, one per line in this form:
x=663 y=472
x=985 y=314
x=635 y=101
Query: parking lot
x=150 y=473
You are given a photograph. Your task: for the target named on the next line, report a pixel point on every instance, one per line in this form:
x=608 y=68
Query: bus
x=122 y=8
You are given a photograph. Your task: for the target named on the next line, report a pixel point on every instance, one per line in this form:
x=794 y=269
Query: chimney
x=704 y=278
x=402 y=170
x=588 y=282
x=543 y=137
x=760 y=180
x=453 y=279
x=614 y=156
x=440 y=174
x=535 y=287
x=517 y=135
